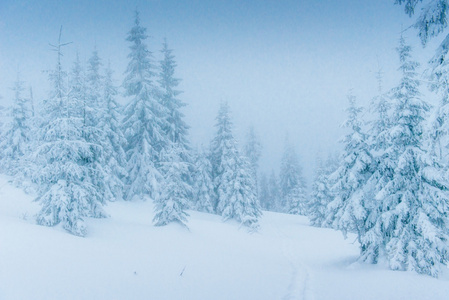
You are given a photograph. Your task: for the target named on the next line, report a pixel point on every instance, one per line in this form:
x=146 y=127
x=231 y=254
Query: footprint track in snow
x=299 y=286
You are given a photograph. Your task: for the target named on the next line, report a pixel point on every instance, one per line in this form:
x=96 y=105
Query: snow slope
x=125 y=257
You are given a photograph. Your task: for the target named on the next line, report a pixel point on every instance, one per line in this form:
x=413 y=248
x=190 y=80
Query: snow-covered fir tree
x=175 y=127
x=379 y=143
x=292 y=184
x=439 y=77
x=175 y=192
x=269 y=192
x=27 y=165
x=253 y=150
x=94 y=85
x=274 y=191
x=380 y=107
x=223 y=152
x=321 y=194
x=203 y=188
x=144 y=121
x=115 y=157
x=67 y=191
x=233 y=183
x=15 y=140
x=411 y=230
x=264 y=193
x=347 y=210
x=81 y=92
x=432 y=19
x=296 y=200
x=241 y=203
x=102 y=115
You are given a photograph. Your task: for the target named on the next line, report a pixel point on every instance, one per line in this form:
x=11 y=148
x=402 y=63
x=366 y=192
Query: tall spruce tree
x=431 y=22
x=175 y=193
x=83 y=90
x=321 y=194
x=115 y=157
x=347 y=211
x=102 y=115
x=292 y=184
x=233 y=184
x=94 y=82
x=253 y=150
x=411 y=227
x=223 y=152
x=241 y=201
x=381 y=108
x=144 y=122
x=439 y=76
x=67 y=191
x=175 y=127
x=379 y=145
x=15 y=140
x=203 y=189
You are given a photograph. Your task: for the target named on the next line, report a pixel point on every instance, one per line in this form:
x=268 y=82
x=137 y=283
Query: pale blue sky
x=284 y=66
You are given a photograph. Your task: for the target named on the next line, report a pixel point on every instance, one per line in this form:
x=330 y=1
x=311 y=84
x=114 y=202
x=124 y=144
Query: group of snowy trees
x=233 y=177
x=288 y=193
x=82 y=149
x=227 y=181
x=391 y=185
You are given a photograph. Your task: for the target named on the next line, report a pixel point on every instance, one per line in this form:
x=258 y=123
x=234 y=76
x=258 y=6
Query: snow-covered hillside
x=126 y=257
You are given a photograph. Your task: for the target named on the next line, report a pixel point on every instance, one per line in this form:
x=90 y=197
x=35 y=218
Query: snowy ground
x=125 y=257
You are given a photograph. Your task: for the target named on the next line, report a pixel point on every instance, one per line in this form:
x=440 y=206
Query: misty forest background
x=79 y=148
